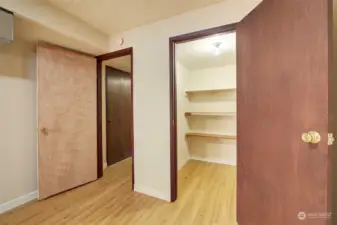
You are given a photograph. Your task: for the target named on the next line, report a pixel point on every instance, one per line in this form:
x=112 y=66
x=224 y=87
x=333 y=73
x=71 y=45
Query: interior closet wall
x=190 y=100
x=182 y=105
x=216 y=78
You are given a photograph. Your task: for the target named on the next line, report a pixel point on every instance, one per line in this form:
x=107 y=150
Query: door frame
x=100 y=59
x=173 y=95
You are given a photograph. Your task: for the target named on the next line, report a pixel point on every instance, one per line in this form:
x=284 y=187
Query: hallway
x=207 y=196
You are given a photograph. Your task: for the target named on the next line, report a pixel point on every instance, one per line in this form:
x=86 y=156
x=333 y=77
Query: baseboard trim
x=183 y=163
x=18 y=202
x=151 y=192
x=226 y=162
x=105 y=165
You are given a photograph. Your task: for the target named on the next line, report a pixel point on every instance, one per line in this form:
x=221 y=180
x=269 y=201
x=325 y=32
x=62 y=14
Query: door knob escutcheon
x=331 y=139
x=311 y=137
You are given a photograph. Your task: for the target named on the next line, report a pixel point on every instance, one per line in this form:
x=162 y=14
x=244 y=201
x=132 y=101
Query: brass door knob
x=311 y=137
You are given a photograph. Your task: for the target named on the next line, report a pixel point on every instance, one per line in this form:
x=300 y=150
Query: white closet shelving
x=214 y=134
x=218 y=114
x=210 y=114
x=188 y=92
x=211 y=135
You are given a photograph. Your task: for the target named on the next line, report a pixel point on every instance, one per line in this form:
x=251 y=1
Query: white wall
x=207 y=78
x=213 y=78
x=104 y=146
x=151 y=87
x=18 y=121
x=208 y=149
x=182 y=75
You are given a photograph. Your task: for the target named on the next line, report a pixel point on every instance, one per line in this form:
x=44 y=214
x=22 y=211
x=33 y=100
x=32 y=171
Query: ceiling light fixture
x=217 y=48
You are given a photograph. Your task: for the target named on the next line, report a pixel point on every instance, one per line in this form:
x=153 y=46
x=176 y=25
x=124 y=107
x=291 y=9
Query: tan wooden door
x=67 y=138
x=283 y=67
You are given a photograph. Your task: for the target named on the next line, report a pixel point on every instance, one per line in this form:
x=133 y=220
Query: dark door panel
x=119 y=113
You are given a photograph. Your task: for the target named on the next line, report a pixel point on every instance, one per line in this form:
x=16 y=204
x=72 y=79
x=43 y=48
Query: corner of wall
x=18 y=202
x=183 y=162
x=149 y=191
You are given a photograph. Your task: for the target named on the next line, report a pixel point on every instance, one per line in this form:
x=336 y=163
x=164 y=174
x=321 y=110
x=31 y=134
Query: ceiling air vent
x=6 y=26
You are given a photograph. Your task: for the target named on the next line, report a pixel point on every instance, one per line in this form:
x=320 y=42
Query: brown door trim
x=173 y=98
x=99 y=121
x=100 y=59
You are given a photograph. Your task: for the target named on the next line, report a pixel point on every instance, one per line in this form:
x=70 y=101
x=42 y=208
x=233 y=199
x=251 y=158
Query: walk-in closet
x=206 y=100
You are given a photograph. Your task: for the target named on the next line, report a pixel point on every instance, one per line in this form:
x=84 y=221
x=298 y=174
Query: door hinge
x=331 y=139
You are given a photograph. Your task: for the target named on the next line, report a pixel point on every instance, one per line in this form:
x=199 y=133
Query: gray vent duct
x=6 y=26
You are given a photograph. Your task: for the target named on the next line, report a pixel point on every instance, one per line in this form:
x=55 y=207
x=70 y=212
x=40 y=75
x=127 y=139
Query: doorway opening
x=203 y=112
x=115 y=71
x=118 y=109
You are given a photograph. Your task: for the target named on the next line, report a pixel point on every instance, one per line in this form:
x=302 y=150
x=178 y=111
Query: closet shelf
x=210 y=114
x=209 y=90
x=210 y=135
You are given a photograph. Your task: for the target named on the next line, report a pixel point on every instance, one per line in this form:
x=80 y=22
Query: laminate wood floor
x=207 y=196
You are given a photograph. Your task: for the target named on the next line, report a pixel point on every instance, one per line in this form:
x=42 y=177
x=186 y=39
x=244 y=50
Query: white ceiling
x=33 y=32
x=201 y=54
x=112 y=16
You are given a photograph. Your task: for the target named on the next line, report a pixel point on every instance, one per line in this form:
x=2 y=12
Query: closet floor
x=206 y=196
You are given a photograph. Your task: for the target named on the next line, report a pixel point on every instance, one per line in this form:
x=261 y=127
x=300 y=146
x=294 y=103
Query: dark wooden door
x=283 y=68
x=119 y=112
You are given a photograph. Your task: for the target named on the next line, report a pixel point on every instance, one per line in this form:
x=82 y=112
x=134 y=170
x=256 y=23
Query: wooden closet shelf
x=209 y=90
x=210 y=114
x=209 y=135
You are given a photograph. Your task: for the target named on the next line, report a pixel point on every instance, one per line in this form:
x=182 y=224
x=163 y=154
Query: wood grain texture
x=207 y=196
x=119 y=115
x=67 y=110
x=283 y=71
